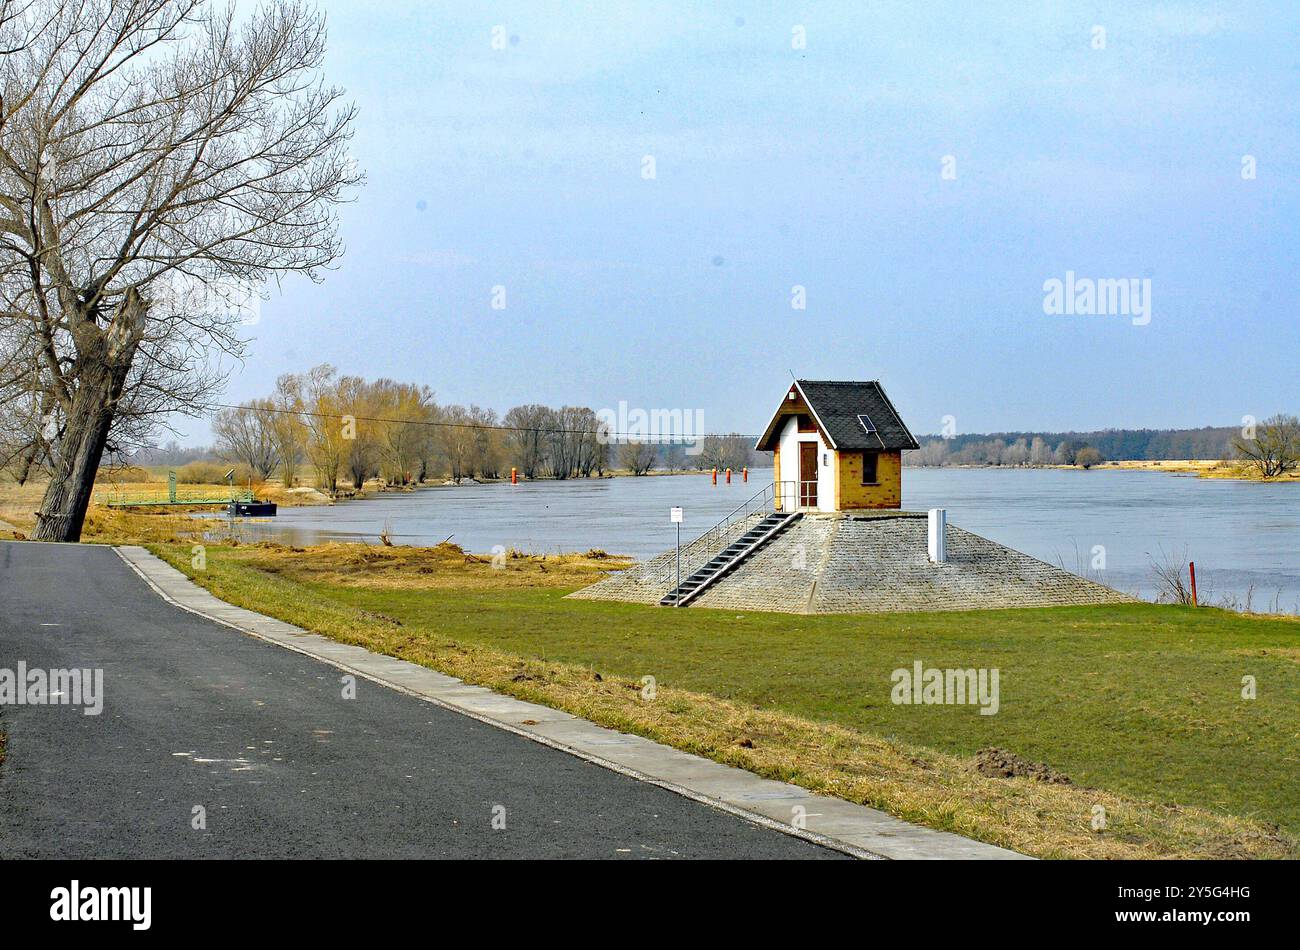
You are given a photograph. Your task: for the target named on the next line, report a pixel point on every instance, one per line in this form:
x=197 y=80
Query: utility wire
x=472 y=425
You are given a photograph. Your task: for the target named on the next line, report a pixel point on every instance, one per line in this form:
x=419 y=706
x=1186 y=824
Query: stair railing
x=771 y=498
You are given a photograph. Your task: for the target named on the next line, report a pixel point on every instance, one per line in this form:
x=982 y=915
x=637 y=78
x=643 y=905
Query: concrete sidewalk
x=853 y=829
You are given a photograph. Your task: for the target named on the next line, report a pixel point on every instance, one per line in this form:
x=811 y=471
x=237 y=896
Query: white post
x=938 y=535
x=677 y=518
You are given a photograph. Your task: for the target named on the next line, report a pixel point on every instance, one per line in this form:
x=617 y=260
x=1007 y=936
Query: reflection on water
x=1240 y=534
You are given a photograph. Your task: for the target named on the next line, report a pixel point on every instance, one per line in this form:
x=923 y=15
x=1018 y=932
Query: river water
x=1243 y=536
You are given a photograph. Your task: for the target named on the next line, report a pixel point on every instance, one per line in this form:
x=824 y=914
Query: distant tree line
x=1075 y=448
x=348 y=430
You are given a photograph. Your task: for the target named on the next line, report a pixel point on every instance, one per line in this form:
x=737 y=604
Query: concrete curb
x=853 y=829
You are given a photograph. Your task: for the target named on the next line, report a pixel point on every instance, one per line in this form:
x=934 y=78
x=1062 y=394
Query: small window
x=806 y=424
x=870 y=463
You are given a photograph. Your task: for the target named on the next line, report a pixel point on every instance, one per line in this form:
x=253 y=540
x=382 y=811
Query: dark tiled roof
x=837 y=406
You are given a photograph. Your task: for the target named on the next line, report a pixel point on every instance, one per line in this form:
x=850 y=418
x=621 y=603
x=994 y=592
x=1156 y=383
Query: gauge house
x=830 y=535
x=837 y=446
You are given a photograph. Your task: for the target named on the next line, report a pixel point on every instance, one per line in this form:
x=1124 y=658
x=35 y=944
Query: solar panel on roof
x=867 y=424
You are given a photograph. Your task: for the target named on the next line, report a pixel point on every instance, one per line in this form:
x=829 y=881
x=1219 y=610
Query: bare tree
x=160 y=161
x=560 y=445
x=591 y=440
x=245 y=435
x=736 y=451
x=360 y=447
x=27 y=414
x=1087 y=457
x=456 y=436
x=326 y=429
x=286 y=426
x=932 y=452
x=526 y=441
x=488 y=443
x=638 y=457
x=712 y=453
x=1275 y=449
x=1017 y=453
x=404 y=409
x=1168 y=573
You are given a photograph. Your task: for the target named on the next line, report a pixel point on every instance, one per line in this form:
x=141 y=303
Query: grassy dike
x=1139 y=706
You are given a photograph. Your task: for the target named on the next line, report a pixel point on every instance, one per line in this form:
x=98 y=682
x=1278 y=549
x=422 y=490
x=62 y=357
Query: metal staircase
x=726 y=560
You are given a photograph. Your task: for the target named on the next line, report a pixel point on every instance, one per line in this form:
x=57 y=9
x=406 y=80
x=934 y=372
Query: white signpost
x=677 y=516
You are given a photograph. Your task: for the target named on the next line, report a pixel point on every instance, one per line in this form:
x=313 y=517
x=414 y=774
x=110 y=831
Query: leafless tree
x=638 y=457
x=246 y=435
x=591 y=438
x=1065 y=452
x=26 y=411
x=458 y=442
x=1017 y=453
x=160 y=162
x=361 y=451
x=1087 y=457
x=323 y=424
x=1169 y=573
x=286 y=426
x=675 y=457
x=565 y=440
x=526 y=440
x=488 y=442
x=1275 y=449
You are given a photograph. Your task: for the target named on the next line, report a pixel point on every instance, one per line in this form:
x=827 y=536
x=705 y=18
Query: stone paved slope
x=870 y=563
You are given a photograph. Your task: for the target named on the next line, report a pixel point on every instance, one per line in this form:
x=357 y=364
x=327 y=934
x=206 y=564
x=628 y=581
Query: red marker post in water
x=715 y=476
x=514 y=476
x=728 y=476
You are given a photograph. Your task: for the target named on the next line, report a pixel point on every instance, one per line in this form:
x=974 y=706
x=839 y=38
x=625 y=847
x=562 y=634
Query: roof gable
x=836 y=406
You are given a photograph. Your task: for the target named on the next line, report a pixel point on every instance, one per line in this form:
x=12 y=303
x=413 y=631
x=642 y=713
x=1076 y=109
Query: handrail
x=745 y=504
x=705 y=547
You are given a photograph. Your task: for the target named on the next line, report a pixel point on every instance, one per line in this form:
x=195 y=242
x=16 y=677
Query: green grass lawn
x=1141 y=700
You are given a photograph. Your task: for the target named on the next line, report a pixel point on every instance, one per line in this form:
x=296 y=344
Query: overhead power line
x=621 y=436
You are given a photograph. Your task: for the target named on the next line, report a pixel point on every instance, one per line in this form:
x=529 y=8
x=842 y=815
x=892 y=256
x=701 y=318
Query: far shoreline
x=1187 y=468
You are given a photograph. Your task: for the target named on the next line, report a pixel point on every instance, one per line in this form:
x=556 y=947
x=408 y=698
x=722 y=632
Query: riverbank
x=19 y=503
x=1114 y=711
x=1199 y=468
x=1110 y=529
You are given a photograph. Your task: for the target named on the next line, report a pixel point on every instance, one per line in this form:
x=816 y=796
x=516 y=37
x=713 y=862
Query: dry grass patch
x=418 y=568
x=104 y=525
x=1202 y=468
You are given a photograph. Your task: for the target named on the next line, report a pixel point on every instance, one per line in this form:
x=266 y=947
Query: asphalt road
x=197 y=715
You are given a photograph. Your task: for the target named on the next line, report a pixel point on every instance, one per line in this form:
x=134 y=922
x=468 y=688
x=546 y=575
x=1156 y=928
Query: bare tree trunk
x=38 y=445
x=25 y=466
x=104 y=358
x=63 y=510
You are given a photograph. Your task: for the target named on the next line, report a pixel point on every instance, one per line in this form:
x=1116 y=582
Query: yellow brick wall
x=776 y=478
x=850 y=493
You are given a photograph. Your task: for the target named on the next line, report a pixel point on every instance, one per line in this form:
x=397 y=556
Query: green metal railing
x=172 y=498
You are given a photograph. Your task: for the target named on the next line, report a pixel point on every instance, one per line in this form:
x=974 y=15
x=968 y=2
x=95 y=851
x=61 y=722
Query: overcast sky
x=823 y=167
